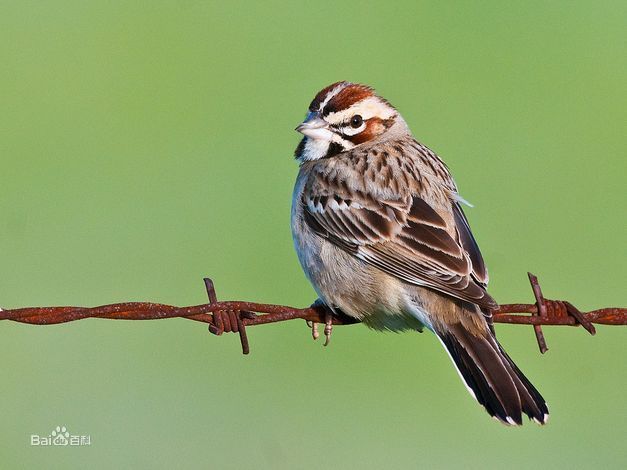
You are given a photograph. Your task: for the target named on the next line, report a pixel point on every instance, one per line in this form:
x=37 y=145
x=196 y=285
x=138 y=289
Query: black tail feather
x=533 y=404
x=492 y=377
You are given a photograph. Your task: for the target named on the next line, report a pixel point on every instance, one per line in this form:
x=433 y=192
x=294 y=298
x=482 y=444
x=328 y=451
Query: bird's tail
x=491 y=376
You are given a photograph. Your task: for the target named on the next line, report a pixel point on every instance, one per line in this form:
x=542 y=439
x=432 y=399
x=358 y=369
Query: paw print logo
x=60 y=436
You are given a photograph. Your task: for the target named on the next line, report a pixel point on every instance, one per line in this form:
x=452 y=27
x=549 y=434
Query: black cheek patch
x=334 y=149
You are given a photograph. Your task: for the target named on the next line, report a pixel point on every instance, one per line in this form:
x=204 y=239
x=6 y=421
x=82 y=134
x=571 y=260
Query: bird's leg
x=328 y=321
x=328 y=327
x=314 y=329
x=318 y=304
x=329 y=313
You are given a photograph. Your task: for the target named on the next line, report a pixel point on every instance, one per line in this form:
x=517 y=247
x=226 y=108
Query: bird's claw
x=314 y=329
x=328 y=322
x=328 y=328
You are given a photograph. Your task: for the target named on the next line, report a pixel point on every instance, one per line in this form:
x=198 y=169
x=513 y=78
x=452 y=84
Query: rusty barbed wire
x=235 y=316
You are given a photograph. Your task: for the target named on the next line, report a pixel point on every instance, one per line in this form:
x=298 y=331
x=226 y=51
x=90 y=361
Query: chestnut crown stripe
x=339 y=96
x=320 y=98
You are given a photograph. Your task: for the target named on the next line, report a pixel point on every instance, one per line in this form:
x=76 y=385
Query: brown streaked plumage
x=402 y=235
x=380 y=232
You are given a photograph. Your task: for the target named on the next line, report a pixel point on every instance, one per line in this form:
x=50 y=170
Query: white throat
x=314 y=149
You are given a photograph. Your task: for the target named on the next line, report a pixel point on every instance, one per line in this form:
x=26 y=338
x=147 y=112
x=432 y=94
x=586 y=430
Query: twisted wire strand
x=235 y=316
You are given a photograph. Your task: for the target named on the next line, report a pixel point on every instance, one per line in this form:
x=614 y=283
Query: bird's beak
x=315 y=127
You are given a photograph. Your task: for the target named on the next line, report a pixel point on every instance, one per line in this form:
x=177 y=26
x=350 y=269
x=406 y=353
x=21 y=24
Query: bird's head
x=341 y=117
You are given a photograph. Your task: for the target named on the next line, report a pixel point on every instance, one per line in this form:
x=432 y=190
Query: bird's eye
x=356 y=121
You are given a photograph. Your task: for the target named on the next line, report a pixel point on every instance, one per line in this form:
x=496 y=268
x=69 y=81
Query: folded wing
x=403 y=237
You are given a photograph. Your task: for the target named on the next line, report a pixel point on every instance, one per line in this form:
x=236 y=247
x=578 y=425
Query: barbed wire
x=235 y=316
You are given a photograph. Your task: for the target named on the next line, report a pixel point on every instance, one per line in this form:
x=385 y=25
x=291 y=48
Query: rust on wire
x=542 y=312
x=235 y=316
x=227 y=321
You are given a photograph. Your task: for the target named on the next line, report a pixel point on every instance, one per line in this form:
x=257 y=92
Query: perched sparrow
x=380 y=233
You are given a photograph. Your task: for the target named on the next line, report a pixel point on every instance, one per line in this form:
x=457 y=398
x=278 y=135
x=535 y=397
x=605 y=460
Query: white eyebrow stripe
x=368 y=108
x=332 y=93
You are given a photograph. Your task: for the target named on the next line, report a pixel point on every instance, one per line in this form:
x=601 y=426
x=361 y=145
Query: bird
x=379 y=230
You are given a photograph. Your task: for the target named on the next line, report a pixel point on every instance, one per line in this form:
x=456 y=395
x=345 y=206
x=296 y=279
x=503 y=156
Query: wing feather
x=404 y=237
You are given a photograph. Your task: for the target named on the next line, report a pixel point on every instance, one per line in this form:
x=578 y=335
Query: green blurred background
x=145 y=145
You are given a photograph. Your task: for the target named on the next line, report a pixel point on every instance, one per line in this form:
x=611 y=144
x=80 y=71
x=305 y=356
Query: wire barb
x=228 y=320
x=542 y=312
x=235 y=316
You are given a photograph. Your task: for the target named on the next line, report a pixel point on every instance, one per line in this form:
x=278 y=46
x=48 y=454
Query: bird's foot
x=314 y=329
x=328 y=322
x=328 y=328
